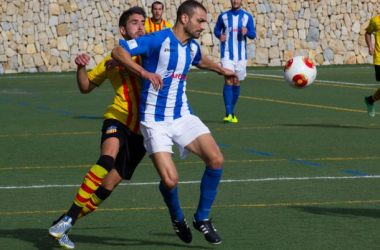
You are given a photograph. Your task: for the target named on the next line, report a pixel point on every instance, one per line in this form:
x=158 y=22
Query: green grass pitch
x=301 y=167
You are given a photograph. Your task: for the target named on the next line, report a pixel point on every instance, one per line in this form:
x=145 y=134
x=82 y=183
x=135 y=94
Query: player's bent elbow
x=84 y=91
x=252 y=36
x=115 y=52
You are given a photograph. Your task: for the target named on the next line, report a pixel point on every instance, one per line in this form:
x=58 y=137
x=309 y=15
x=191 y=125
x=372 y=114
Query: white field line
x=197 y=182
x=322 y=81
x=250 y=74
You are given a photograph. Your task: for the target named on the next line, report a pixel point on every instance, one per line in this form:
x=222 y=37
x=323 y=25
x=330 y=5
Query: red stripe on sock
x=90 y=207
x=81 y=199
x=95 y=177
x=87 y=189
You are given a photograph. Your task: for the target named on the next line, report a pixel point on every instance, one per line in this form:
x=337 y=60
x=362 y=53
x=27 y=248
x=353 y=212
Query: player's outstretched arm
x=369 y=43
x=125 y=59
x=208 y=64
x=84 y=83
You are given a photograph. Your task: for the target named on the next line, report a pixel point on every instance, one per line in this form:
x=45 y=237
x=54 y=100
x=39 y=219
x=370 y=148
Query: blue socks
x=235 y=96
x=209 y=186
x=171 y=200
x=231 y=95
x=227 y=96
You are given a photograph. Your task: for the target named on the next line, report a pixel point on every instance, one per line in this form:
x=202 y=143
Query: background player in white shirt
x=232 y=29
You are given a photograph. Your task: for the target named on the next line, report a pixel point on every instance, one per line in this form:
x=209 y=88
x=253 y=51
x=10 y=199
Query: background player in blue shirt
x=165 y=114
x=232 y=29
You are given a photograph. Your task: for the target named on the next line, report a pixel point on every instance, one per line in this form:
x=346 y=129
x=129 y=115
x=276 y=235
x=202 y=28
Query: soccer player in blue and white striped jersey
x=232 y=29
x=166 y=116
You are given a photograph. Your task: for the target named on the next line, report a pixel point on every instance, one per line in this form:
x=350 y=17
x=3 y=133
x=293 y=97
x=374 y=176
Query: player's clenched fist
x=155 y=79
x=223 y=37
x=82 y=60
x=244 y=30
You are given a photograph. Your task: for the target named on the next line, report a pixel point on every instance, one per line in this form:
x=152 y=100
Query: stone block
x=350 y=58
x=28 y=61
x=38 y=60
x=274 y=52
x=206 y=39
x=10 y=52
x=44 y=58
x=28 y=28
x=31 y=49
x=10 y=9
x=319 y=59
x=62 y=29
x=54 y=9
x=67 y=7
x=3 y=58
x=98 y=49
x=262 y=55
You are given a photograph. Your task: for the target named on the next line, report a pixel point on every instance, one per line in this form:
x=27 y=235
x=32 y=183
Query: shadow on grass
x=214 y=121
x=88 y=117
x=344 y=212
x=328 y=126
x=40 y=239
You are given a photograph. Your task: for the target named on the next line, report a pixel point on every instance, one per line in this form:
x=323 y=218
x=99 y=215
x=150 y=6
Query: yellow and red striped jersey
x=152 y=27
x=127 y=87
x=374 y=28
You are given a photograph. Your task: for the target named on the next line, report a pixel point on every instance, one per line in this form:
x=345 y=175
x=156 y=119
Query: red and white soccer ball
x=300 y=72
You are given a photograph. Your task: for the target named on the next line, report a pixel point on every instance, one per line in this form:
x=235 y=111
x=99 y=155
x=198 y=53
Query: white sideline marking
x=196 y=182
x=322 y=81
x=250 y=74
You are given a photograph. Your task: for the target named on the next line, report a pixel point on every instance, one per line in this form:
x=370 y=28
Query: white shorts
x=160 y=136
x=239 y=67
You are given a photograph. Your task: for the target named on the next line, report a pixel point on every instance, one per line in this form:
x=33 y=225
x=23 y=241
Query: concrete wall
x=47 y=35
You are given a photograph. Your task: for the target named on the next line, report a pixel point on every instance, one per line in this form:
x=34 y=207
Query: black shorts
x=131 y=150
x=377 y=70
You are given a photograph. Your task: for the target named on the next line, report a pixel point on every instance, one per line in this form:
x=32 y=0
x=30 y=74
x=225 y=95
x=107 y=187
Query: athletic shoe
x=208 y=231
x=234 y=118
x=56 y=221
x=370 y=107
x=182 y=229
x=227 y=119
x=61 y=227
x=65 y=242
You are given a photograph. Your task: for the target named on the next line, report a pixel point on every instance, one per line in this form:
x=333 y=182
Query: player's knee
x=170 y=182
x=110 y=186
x=216 y=161
x=106 y=161
x=112 y=180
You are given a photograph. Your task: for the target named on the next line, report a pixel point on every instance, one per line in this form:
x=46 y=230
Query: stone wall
x=47 y=35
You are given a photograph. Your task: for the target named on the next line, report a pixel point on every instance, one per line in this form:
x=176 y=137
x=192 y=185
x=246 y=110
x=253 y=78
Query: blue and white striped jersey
x=163 y=54
x=231 y=23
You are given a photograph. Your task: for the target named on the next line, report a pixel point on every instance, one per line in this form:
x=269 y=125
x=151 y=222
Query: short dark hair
x=188 y=7
x=126 y=14
x=157 y=2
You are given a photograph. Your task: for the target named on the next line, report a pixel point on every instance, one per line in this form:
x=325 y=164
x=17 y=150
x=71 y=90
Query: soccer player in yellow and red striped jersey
x=156 y=23
x=122 y=146
x=373 y=28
